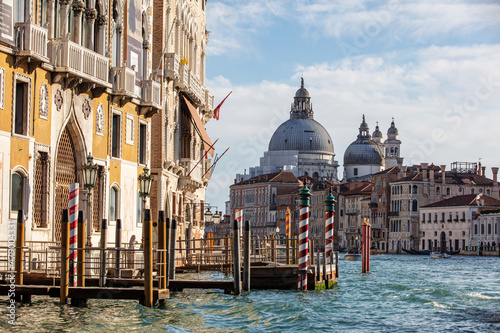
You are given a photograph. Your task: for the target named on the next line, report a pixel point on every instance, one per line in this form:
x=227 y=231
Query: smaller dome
x=377 y=133
x=363 y=152
x=302 y=92
x=392 y=130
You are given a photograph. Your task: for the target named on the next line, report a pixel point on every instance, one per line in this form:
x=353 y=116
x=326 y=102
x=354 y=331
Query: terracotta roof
x=275 y=177
x=466 y=200
x=365 y=189
x=393 y=170
x=451 y=178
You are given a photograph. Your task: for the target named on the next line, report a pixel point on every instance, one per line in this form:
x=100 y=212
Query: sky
x=434 y=67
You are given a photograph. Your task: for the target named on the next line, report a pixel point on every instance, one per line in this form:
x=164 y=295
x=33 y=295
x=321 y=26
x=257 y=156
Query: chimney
x=495 y=174
x=424 y=171
x=479 y=169
x=431 y=175
x=443 y=173
x=483 y=171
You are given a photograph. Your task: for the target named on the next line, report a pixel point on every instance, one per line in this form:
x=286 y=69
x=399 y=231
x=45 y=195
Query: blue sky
x=435 y=68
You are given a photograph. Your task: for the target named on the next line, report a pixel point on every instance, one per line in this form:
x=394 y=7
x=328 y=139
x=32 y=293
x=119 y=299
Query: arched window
x=315 y=175
x=114 y=203
x=475 y=229
x=116 y=36
x=482 y=229
x=414 y=206
x=17 y=192
x=448 y=192
x=471 y=191
x=438 y=190
x=415 y=189
x=489 y=229
x=488 y=192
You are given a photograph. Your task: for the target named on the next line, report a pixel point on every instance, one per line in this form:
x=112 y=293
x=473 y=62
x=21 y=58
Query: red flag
x=217 y=109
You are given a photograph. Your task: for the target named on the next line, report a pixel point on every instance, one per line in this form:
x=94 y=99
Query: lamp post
x=145 y=181
x=89 y=172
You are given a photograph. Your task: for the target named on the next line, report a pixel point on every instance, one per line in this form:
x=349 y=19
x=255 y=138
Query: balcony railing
x=70 y=57
x=195 y=89
x=395 y=213
x=353 y=211
x=195 y=171
x=209 y=100
x=183 y=81
x=31 y=41
x=151 y=97
x=172 y=66
x=123 y=79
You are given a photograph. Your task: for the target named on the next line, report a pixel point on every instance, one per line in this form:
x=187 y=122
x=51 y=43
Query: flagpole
x=204 y=156
x=215 y=162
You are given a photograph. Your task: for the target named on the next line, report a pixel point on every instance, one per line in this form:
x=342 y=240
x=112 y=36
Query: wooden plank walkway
x=87 y=292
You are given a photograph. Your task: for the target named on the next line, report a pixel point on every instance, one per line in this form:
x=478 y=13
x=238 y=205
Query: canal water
x=401 y=294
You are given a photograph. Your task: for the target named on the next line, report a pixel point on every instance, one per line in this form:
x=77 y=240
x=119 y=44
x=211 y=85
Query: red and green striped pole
x=304 y=203
x=329 y=212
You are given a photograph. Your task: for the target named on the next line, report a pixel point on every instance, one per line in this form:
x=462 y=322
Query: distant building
x=300 y=145
x=486 y=230
x=449 y=222
x=427 y=185
x=258 y=198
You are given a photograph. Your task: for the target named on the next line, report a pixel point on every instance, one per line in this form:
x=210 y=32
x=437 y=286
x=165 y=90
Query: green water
x=400 y=294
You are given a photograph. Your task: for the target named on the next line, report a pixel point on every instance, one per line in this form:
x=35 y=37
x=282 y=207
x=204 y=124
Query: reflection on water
x=401 y=293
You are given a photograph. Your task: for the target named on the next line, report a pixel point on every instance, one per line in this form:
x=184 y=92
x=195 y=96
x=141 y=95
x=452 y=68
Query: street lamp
x=89 y=173
x=209 y=217
x=145 y=181
x=216 y=217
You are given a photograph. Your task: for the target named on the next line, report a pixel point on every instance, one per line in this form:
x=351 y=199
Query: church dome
x=302 y=134
x=392 y=130
x=377 y=133
x=302 y=92
x=363 y=151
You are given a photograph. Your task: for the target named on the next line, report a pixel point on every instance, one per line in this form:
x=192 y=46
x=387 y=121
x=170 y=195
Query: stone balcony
x=123 y=80
x=77 y=66
x=172 y=66
x=31 y=43
x=191 y=178
x=151 y=97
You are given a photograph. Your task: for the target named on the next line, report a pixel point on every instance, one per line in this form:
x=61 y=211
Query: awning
x=201 y=129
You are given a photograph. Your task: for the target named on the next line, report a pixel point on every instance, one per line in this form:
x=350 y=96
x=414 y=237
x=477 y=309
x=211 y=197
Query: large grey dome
x=363 y=152
x=303 y=135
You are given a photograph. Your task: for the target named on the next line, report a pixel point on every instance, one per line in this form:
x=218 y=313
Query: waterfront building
x=300 y=145
x=80 y=77
x=486 y=231
x=380 y=205
x=258 y=198
x=429 y=184
x=181 y=146
x=353 y=205
x=368 y=154
x=455 y=222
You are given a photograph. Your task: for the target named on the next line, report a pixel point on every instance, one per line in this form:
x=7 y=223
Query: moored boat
x=440 y=255
x=352 y=255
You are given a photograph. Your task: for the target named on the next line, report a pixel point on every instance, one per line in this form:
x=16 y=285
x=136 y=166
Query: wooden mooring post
x=236 y=259
x=19 y=247
x=64 y=280
x=147 y=228
x=171 y=251
x=166 y=255
x=80 y=264
x=246 y=252
x=104 y=237
x=118 y=245
x=162 y=233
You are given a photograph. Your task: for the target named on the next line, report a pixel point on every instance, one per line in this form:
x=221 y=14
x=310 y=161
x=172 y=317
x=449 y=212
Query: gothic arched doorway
x=65 y=175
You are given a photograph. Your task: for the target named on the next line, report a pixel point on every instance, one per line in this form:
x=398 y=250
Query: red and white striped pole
x=304 y=200
x=366 y=241
x=239 y=217
x=329 y=212
x=74 y=190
